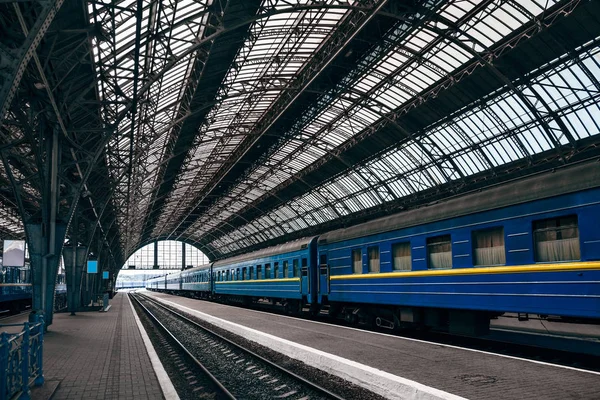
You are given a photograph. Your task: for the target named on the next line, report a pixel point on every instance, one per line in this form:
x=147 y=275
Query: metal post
x=156 y=255
x=4 y=350
x=182 y=256
x=39 y=379
x=25 y=394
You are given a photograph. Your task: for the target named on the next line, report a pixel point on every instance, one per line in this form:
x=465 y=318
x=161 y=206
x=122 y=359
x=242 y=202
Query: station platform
x=97 y=355
x=397 y=367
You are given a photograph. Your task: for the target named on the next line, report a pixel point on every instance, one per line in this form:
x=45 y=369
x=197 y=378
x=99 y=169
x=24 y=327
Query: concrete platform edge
x=163 y=379
x=383 y=383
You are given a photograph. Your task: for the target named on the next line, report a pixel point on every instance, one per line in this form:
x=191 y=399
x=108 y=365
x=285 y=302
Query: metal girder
x=15 y=60
x=541 y=25
x=332 y=47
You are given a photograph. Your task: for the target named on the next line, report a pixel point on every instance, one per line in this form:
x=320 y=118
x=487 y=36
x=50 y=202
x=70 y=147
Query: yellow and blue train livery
x=197 y=281
x=490 y=252
x=281 y=273
x=529 y=246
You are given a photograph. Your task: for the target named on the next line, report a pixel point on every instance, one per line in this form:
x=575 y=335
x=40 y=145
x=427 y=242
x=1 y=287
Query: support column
x=74 y=263
x=44 y=260
x=156 y=266
x=183 y=266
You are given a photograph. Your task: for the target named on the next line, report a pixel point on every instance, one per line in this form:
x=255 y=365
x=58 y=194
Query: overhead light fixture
x=39 y=85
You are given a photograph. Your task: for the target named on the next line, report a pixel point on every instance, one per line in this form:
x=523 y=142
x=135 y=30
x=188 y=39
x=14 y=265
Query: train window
x=285 y=269
x=251 y=273
x=304 y=267
x=439 y=252
x=267 y=271
x=373 y=253
x=258 y=272
x=357 y=261
x=276 y=270
x=402 y=258
x=556 y=239
x=488 y=247
x=296 y=269
x=244 y=276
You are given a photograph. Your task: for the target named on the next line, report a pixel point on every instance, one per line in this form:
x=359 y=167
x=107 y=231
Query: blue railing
x=21 y=360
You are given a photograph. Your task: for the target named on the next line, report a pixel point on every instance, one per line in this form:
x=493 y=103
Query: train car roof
x=288 y=247
x=195 y=269
x=543 y=185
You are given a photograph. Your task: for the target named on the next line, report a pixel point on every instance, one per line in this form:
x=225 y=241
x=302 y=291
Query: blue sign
x=92 y=267
x=104 y=274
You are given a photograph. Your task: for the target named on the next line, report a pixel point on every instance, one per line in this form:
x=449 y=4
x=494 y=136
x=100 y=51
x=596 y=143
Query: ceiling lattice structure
x=233 y=125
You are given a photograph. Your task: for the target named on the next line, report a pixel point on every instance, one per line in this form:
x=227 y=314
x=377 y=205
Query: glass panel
x=488 y=247
x=357 y=261
x=402 y=257
x=276 y=270
x=556 y=239
x=373 y=253
x=296 y=269
x=439 y=251
x=285 y=269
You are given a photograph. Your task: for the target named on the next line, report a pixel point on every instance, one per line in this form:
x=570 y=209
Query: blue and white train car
x=532 y=246
x=283 y=274
x=197 y=281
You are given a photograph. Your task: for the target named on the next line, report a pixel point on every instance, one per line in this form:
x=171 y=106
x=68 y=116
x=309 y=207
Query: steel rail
x=279 y=368
x=185 y=350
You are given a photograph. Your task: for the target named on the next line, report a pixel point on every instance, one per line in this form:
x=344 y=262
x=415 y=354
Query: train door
x=305 y=279
x=323 y=277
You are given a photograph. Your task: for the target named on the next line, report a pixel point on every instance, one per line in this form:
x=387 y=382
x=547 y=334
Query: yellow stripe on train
x=562 y=267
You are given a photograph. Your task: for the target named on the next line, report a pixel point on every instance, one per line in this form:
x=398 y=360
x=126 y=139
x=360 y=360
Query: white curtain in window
x=490 y=256
x=558 y=250
x=440 y=260
x=373 y=259
x=357 y=261
x=402 y=258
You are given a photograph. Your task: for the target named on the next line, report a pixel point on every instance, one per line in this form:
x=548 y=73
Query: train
x=530 y=246
x=15 y=289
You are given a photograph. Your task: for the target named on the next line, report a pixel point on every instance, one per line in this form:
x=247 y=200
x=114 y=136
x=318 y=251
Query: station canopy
x=234 y=125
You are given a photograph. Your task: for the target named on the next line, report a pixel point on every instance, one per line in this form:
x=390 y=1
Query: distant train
x=15 y=289
x=529 y=246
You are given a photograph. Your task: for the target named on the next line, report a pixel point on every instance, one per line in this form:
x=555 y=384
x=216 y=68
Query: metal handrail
x=21 y=360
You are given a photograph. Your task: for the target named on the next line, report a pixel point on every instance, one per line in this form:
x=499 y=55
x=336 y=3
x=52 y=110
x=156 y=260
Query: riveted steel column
x=74 y=262
x=156 y=266
x=44 y=266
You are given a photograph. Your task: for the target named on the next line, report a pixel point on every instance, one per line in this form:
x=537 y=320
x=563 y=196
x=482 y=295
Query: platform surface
x=471 y=374
x=98 y=355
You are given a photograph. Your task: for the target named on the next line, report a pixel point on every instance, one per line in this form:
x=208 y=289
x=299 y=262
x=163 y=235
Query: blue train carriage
x=157 y=284
x=15 y=289
x=281 y=275
x=530 y=246
x=196 y=282
x=173 y=282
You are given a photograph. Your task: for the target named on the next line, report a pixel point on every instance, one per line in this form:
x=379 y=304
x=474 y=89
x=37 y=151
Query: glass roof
x=165 y=32
x=275 y=51
x=556 y=106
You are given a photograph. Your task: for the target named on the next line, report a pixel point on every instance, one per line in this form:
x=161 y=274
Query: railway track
x=215 y=366
x=565 y=351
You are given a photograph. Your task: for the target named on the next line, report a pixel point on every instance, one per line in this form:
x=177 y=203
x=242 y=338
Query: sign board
x=14 y=253
x=104 y=274
x=92 y=267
